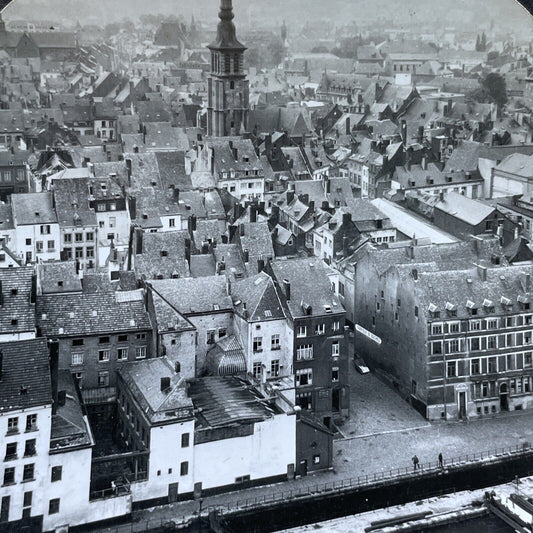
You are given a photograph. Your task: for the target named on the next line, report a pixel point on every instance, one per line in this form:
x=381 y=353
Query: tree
x=477 y=44
x=483 y=43
x=496 y=88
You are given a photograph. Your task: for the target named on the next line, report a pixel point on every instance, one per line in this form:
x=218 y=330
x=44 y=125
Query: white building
x=37 y=236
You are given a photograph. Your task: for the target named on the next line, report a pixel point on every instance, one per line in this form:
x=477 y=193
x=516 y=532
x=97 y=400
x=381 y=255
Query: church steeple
x=228 y=92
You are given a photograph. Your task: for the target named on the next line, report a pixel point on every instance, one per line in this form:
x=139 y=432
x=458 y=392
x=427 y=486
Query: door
x=462 y=404
x=173 y=492
x=504 y=397
x=303 y=467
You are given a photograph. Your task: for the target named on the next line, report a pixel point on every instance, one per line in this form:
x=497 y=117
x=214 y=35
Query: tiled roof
x=171 y=167
x=209 y=229
x=33 y=208
x=258 y=241
x=143 y=379
x=259 y=295
x=302 y=274
x=167 y=318
x=89 y=314
x=470 y=211
x=519 y=164
x=6 y=217
x=59 y=277
x=195 y=295
x=161 y=135
x=18 y=313
x=25 y=379
x=230 y=255
x=72 y=204
x=202 y=266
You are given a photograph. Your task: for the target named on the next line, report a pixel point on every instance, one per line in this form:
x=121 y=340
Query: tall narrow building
x=228 y=92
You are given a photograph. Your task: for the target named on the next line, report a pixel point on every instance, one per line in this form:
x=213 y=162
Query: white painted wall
x=265 y=453
x=33 y=233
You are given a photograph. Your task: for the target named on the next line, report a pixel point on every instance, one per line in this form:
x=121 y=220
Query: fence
x=369 y=479
x=164 y=524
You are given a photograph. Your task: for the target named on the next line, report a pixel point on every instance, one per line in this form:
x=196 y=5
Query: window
x=301 y=331
x=304 y=400
x=305 y=351
x=335 y=373
x=103 y=379
x=11 y=451
x=335 y=349
x=491 y=342
x=140 y=336
x=454 y=346
x=29 y=471
x=53 y=506
x=493 y=364
x=475 y=367
x=436 y=348
x=13 y=424
x=528 y=359
x=304 y=376
x=28 y=497
x=57 y=473
x=29 y=449
x=274 y=368
x=172 y=223
x=258 y=344
x=211 y=336
x=112 y=222
x=78 y=237
x=257 y=370
x=416 y=311
x=39 y=246
x=184 y=468
x=221 y=332
x=274 y=342
x=103 y=355
x=103 y=340
x=185 y=440
x=122 y=354
x=89 y=236
x=28 y=242
x=320 y=329
x=67 y=237
x=474 y=344
x=436 y=329
x=110 y=236
x=492 y=323
x=79 y=253
x=31 y=422
x=122 y=338
x=9 y=476
x=68 y=253
x=140 y=352
x=451 y=369
x=45 y=230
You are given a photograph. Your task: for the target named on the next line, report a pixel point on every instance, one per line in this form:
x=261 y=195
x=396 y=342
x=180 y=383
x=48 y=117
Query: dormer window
x=488 y=306
x=433 y=311
x=471 y=307
x=164 y=253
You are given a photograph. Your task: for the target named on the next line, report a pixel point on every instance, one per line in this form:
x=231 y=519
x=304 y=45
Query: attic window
x=216 y=307
x=164 y=253
x=14 y=292
x=268 y=313
x=60 y=284
x=37 y=214
x=14 y=321
x=506 y=303
x=327 y=308
x=145 y=216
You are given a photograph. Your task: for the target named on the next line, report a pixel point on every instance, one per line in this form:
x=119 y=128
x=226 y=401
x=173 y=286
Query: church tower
x=228 y=92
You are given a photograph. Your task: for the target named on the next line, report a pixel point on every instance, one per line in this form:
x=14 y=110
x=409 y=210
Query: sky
x=268 y=13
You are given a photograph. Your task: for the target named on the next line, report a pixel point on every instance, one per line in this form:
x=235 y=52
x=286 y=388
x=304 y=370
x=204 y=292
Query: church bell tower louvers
x=228 y=91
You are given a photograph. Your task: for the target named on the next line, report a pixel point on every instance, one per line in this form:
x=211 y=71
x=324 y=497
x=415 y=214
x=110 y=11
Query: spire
x=226 y=36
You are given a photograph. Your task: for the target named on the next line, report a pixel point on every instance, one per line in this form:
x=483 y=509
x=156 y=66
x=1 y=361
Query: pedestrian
x=415 y=462
x=441 y=463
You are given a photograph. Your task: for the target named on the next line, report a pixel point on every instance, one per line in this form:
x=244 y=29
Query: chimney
x=193 y=222
x=424 y=162
x=177 y=367
x=348 y=126
x=253 y=213
x=232 y=231
x=346 y=218
x=482 y=271
x=241 y=230
x=176 y=194
x=188 y=250
x=260 y=265
x=287 y=286
x=421 y=134
x=441 y=196
x=33 y=293
x=327 y=185
x=132 y=203
x=228 y=287
x=61 y=398
x=165 y=384
x=414 y=272
x=139 y=242
x=325 y=205
x=244 y=310
x=345 y=246
x=128 y=167
x=290 y=197
x=246 y=255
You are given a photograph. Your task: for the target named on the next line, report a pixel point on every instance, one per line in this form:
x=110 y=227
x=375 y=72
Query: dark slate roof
x=227 y=401
x=25 y=368
x=202 y=266
x=230 y=256
x=302 y=274
x=163 y=254
x=209 y=230
x=258 y=241
x=72 y=204
x=92 y=313
x=464 y=157
x=260 y=297
x=167 y=318
x=69 y=428
x=171 y=167
x=195 y=295
x=16 y=290
x=59 y=277
x=143 y=379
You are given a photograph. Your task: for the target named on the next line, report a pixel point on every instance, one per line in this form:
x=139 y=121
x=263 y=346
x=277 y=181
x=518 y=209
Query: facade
x=228 y=93
x=320 y=350
x=36 y=227
x=96 y=334
x=15 y=174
